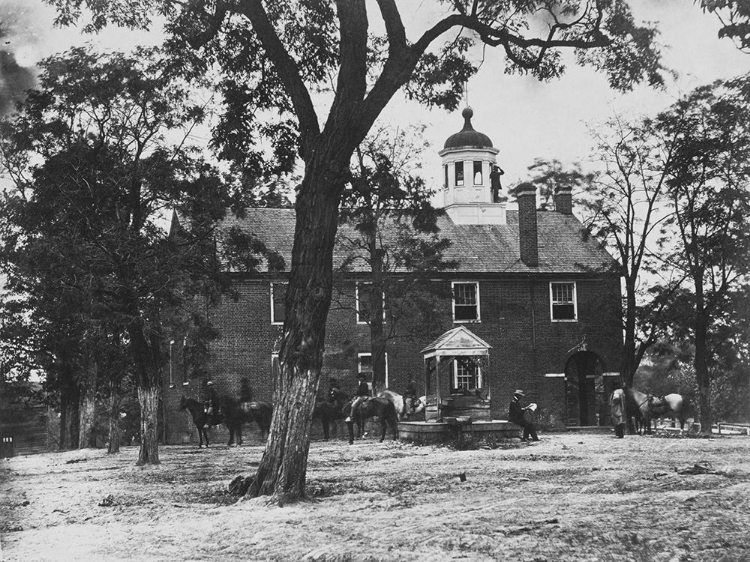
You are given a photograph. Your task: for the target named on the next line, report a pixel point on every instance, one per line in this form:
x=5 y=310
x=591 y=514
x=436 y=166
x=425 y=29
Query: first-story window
x=364 y=366
x=467 y=374
x=278 y=302
x=563 y=306
x=465 y=302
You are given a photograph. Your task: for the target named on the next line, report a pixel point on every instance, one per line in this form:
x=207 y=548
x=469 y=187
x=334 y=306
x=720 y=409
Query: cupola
x=471 y=177
x=468 y=137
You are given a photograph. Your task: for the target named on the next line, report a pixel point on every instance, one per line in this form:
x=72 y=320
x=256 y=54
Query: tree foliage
x=275 y=60
x=389 y=236
x=734 y=16
x=99 y=160
x=707 y=238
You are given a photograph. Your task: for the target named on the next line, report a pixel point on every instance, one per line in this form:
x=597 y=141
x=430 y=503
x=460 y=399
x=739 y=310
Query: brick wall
x=515 y=321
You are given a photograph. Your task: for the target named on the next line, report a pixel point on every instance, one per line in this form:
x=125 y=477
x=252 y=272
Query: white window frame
x=462 y=181
x=356 y=292
x=275 y=322
x=359 y=366
x=480 y=375
x=552 y=302
x=478 y=304
x=474 y=173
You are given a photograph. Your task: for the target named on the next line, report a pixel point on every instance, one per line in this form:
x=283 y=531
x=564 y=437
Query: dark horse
x=330 y=410
x=200 y=418
x=378 y=407
x=237 y=413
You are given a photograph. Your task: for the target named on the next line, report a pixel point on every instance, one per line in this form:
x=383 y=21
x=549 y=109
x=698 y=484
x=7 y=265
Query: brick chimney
x=527 y=230
x=564 y=200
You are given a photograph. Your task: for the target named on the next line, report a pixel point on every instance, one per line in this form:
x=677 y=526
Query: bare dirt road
x=571 y=497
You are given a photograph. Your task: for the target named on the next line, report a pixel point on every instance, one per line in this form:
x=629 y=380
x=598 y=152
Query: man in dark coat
x=363 y=393
x=212 y=404
x=516 y=415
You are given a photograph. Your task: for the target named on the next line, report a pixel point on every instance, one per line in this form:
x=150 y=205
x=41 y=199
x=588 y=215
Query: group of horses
x=388 y=407
x=645 y=408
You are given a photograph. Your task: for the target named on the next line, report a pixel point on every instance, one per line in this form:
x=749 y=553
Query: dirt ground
x=570 y=497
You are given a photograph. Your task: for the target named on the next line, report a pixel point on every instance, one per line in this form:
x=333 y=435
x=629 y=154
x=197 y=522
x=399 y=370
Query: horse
x=637 y=408
x=399 y=402
x=330 y=410
x=674 y=404
x=237 y=413
x=200 y=418
x=377 y=407
x=414 y=406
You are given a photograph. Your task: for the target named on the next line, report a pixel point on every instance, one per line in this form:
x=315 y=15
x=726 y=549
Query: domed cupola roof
x=468 y=137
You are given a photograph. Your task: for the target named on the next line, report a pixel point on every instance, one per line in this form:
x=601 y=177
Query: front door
x=581 y=373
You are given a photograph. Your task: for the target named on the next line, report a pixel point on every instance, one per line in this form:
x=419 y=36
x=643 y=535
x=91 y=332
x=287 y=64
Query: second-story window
x=364 y=291
x=278 y=306
x=466 y=302
x=563 y=306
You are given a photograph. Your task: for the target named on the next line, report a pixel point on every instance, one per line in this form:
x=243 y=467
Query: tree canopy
x=277 y=64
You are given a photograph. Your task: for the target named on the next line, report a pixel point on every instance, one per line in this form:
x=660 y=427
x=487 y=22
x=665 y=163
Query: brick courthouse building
x=529 y=282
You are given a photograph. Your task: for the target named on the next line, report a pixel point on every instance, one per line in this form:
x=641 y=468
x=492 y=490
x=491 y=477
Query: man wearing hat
x=515 y=415
x=212 y=403
x=363 y=393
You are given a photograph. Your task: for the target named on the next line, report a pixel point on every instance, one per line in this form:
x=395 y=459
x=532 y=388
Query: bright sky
x=524 y=118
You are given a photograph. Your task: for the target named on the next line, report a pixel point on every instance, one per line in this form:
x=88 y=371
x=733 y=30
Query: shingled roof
x=478 y=249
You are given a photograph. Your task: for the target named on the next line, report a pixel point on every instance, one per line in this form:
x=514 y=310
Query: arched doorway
x=583 y=388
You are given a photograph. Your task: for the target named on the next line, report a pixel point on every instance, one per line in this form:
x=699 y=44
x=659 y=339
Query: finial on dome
x=467 y=113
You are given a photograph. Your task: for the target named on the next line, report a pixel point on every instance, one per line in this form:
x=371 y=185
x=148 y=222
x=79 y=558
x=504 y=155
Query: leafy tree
x=389 y=231
x=274 y=56
x=734 y=16
x=626 y=205
x=709 y=188
x=95 y=174
x=549 y=176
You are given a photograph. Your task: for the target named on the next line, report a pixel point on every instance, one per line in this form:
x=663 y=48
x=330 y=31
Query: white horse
x=673 y=405
x=406 y=407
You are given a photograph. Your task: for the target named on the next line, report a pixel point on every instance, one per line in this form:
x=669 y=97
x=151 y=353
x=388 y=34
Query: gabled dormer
x=471 y=177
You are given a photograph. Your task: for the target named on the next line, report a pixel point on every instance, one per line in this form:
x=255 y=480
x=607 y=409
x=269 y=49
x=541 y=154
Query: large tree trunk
x=701 y=360
x=87 y=406
x=377 y=337
x=147 y=359
x=281 y=473
x=148 y=398
x=628 y=365
x=69 y=419
x=114 y=417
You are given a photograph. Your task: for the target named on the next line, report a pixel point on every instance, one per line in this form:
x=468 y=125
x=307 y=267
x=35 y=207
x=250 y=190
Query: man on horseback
x=211 y=404
x=334 y=388
x=363 y=393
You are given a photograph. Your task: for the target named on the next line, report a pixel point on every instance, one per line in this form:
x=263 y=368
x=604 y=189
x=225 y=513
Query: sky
x=524 y=118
